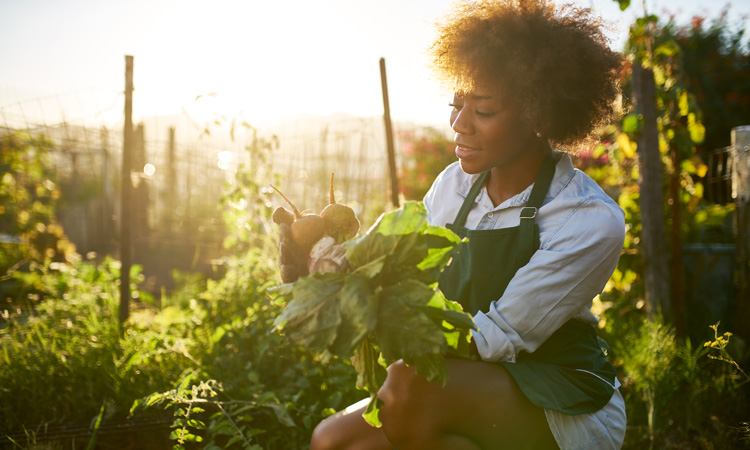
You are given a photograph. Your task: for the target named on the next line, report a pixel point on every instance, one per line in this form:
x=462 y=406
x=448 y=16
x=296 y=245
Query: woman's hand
x=324 y=257
x=328 y=257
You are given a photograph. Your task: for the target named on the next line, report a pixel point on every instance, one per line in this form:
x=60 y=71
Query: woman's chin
x=472 y=167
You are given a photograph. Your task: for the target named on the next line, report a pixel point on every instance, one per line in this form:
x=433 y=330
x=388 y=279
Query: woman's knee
x=347 y=429
x=400 y=387
x=324 y=435
x=404 y=395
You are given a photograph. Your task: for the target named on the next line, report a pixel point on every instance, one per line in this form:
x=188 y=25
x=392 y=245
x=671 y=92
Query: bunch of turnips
x=309 y=242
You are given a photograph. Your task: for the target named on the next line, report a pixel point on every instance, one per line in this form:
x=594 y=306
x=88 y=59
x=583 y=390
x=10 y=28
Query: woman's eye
x=485 y=114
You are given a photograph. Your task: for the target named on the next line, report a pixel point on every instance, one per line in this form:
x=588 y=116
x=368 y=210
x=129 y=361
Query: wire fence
x=181 y=166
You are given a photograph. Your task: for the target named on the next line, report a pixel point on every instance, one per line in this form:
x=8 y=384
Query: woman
x=543 y=241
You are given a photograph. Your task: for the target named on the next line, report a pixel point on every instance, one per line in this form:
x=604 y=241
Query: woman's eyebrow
x=481 y=97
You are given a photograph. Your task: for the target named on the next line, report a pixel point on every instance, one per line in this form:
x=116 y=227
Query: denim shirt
x=581 y=233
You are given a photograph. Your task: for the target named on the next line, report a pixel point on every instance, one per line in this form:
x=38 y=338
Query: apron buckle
x=525 y=211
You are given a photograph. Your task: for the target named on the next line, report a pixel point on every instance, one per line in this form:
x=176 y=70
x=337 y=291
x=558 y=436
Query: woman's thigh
x=480 y=402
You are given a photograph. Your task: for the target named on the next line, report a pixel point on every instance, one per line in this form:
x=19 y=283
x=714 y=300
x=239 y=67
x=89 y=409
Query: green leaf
x=218 y=334
x=411 y=218
x=623 y=4
x=431 y=366
x=365 y=361
x=372 y=413
x=400 y=251
x=197 y=424
x=358 y=305
x=282 y=415
x=283 y=290
x=371 y=269
x=696 y=129
x=404 y=331
x=683 y=103
x=458 y=319
x=312 y=317
x=137 y=403
x=667 y=48
x=630 y=123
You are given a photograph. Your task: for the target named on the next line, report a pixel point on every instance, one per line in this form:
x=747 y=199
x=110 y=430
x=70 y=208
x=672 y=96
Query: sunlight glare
x=225 y=158
x=256 y=58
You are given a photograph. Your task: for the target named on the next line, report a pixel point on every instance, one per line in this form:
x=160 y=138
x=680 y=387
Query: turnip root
x=340 y=221
x=307 y=229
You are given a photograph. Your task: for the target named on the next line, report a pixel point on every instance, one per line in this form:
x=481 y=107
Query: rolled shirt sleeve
x=557 y=284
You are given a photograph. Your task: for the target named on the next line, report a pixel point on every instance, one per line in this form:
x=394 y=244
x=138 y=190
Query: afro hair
x=554 y=61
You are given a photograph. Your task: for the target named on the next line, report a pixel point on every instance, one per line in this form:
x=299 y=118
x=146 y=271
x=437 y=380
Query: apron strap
x=528 y=212
x=463 y=213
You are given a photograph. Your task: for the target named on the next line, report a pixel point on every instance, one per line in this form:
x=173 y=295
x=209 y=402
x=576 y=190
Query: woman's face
x=488 y=130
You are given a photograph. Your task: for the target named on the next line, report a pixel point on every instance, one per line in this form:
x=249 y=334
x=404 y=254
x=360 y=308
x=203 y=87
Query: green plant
x=648 y=363
x=30 y=233
x=248 y=386
x=718 y=348
x=65 y=354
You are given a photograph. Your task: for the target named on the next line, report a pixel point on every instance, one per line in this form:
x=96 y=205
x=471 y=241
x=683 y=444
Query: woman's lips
x=463 y=152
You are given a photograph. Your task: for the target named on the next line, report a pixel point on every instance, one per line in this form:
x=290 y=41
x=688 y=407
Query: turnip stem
x=331 y=196
x=294 y=208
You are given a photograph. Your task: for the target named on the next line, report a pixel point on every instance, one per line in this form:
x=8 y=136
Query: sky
x=265 y=61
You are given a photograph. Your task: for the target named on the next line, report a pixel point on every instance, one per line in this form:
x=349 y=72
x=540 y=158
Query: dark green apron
x=569 y=372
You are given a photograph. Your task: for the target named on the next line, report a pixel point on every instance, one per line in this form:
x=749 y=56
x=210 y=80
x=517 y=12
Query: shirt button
x=489 y=216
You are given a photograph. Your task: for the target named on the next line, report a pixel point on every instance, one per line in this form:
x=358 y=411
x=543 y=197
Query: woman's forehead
x=477 y=95
x=480 y=90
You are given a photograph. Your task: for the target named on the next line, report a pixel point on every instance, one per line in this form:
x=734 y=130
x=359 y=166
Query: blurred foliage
x=64 y=356
x=676 y=396
x=29 y=230
x=716 y=68
x=245 y=202
x=250 y=388
x=423 y=157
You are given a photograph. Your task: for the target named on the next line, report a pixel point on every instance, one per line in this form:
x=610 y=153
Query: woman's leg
x=481 y=407
x=347 y=430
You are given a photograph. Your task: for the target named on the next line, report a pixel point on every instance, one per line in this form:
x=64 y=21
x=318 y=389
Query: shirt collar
x=564 y=172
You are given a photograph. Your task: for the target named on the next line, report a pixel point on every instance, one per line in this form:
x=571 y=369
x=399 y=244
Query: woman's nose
x=461 y=123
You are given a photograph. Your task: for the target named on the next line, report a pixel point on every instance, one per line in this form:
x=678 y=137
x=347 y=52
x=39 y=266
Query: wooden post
x=105 y=215
x=127 y=186
x=677 y=297
x=656 y=277
x=389 y=136
x=741 y=193
x=139 y=199
x=363 y=174
x=171 y=183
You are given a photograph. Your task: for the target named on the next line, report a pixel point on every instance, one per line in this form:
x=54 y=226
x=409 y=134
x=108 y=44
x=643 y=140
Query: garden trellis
x=180 y=167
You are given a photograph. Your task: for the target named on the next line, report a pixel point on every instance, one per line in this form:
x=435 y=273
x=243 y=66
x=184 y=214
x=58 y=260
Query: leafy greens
x=387 y=308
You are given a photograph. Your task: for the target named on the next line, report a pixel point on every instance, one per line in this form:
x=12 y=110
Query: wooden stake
x=126 y=194
x=105 y=216
x=171 y=182
x=741 y=193
x=389 y=136
x=656 y=276
x=677 y=296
